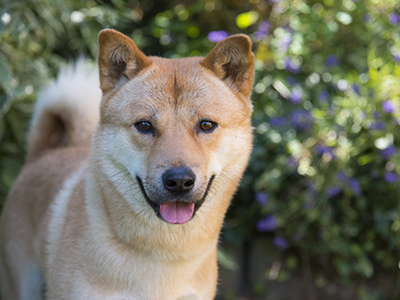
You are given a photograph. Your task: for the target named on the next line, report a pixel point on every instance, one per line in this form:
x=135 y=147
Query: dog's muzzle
x=178 y=182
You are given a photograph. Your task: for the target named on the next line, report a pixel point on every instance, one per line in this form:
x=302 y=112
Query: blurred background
x=317 y=214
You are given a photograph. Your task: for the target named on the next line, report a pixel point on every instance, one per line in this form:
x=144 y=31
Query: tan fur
x=82 y=221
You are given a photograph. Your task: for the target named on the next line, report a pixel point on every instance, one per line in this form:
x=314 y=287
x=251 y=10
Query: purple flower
x=341 y=176
x=388 y=106
x=292 y=163
x=379 y=125
x=301 y=119
x=376 y=114
x=277 y=121
x=323 y=96
x=332 y=60
x=269 y=223
x=291 y=80
x=280 y=242
x=285 y=42
x=396 y=58
x=217 y=36
x=262 y=198
x=258 y=35
x=367 y=18
x=263 y=30
x=353 y=183
x=296 y=96
x=394 y=18
x=333 y=191
x=322 y=149
x=356 y=89
x=355 y=186
x=391 y=177
x=291 y=66
x=389 y=152
x=264 y=26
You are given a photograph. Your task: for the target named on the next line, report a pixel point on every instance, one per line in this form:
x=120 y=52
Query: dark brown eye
x=207 y=126
x=144 y=127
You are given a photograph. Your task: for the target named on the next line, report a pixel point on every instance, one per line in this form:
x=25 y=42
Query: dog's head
x=178 y=129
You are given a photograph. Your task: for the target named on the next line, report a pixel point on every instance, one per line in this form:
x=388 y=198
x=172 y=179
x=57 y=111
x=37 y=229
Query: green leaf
x=5 y=71
x=244 y=20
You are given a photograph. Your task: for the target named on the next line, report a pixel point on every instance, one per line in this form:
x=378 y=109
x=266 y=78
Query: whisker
x=124 y=170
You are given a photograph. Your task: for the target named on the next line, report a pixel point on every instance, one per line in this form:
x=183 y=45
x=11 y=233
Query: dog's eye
x=207 y=126
x=144 y=126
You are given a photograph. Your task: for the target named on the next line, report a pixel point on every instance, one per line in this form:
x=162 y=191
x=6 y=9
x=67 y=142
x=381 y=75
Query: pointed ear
x=232 y=61
x=119 y=59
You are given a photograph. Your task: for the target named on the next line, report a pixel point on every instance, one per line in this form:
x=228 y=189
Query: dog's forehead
x=165 y=82
x=183 y=81
x=180 y=78
x=180 y=84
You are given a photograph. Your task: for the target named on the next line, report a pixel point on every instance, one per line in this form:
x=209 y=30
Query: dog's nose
x=179 y=180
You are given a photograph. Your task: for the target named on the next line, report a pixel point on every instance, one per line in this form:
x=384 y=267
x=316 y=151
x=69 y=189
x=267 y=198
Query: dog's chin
x=176 y=211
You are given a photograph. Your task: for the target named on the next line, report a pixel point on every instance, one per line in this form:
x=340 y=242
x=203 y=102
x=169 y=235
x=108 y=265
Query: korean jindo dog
x=126 y=186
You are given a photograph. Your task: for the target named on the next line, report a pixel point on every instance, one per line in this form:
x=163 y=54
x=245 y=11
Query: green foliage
x=325 y=164
x=331 y=174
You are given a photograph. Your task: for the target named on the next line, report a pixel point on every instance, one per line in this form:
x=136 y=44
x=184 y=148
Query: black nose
x=179 y=180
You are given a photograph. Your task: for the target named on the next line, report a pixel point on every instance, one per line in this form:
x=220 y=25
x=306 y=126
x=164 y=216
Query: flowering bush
x=323 y=182
x=327 y=132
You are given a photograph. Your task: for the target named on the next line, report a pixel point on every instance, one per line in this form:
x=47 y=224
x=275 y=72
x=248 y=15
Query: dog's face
x=177 y=129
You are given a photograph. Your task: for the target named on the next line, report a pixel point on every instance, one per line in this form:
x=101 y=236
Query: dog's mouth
x=175 y=212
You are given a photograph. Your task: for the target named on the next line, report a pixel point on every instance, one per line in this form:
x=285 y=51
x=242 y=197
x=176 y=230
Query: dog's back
x=64 y=120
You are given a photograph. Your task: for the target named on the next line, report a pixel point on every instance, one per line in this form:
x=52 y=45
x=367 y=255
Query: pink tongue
x=176 y=212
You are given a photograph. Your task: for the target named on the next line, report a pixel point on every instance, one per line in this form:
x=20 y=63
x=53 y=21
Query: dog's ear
x=232 y=61
x=119 y=59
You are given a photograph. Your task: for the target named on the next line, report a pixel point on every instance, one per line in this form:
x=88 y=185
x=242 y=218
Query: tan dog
x=129 y=204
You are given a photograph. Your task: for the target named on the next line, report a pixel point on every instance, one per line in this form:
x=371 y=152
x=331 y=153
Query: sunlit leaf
x=244 y=20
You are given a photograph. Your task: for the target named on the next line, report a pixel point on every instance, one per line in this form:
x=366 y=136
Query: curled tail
x=67 y=111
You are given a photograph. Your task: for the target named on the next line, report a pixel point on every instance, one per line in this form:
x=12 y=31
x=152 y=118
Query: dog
x=128 y=176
